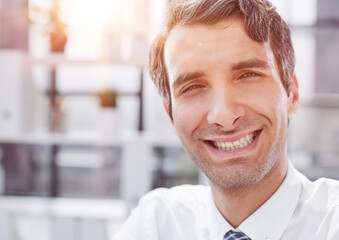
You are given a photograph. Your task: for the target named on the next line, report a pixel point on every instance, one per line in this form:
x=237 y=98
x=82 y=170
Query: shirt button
x=267 y=238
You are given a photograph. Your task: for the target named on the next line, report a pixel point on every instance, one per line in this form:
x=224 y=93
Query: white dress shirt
x=298 y=210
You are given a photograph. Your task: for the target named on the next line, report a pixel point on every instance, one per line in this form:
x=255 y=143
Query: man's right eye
x=191 y=88
x=249 y=74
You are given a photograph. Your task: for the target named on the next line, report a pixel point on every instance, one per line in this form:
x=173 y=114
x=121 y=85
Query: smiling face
x=230 y=109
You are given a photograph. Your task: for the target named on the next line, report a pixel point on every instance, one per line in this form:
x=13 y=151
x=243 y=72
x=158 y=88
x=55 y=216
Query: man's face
x=229 y=107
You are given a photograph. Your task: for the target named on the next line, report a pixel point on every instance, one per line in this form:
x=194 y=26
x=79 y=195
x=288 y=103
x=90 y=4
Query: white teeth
x=241 y=143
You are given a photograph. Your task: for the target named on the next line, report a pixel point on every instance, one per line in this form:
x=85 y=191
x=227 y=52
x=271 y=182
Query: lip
x=233 y=153
x=231 y=138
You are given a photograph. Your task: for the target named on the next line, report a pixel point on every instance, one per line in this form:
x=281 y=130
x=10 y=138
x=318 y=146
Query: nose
x=225 y=109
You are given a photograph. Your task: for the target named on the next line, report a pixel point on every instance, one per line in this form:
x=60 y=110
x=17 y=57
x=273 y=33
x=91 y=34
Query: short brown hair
x=261 y=21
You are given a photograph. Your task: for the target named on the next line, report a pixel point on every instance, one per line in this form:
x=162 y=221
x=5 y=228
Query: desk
x=59 y=218
x=136 y=158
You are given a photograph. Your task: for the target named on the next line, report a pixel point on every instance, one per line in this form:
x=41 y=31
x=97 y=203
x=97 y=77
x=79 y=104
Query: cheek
x=276 y=106
x=269 y=100
x=188 y=114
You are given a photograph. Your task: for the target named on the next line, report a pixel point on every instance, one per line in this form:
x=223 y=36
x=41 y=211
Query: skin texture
x=224 y=86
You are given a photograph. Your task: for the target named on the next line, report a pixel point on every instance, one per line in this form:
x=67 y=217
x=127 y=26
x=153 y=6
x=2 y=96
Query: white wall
x=17 y=108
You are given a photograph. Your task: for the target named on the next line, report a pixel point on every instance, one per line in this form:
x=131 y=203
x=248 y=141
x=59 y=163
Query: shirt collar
x=220 y=225
x=271 y=219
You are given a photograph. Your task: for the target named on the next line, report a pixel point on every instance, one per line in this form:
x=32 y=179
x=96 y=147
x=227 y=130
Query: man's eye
x=190 y=88
x=249 y=74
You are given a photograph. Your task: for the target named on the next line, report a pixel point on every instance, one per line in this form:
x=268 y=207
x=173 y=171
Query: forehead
x=205 y=46
x=183 y=37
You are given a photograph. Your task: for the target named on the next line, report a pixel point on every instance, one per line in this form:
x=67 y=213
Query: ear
x=294 y=101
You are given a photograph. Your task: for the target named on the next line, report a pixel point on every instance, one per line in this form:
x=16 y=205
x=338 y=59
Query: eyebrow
x=185 y=77
x=250 y=63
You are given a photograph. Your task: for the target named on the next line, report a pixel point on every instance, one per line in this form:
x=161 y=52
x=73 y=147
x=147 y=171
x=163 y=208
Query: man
x=225 y=69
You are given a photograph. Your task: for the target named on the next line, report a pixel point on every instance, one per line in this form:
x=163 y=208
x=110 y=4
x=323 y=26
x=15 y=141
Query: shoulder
x=184 y=195
x=322 y=194
x=174 y=211
x=317 y=210
x=319 y=203
x=178 y=204
x=324 y=205
x=181 y=192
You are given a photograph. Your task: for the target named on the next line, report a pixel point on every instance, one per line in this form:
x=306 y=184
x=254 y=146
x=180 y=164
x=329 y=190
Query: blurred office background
x=82 y=131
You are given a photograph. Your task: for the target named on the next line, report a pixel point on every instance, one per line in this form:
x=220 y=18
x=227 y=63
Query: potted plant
x=58 y=36
x=55 y=26
x=110 y=118
x=108 y=98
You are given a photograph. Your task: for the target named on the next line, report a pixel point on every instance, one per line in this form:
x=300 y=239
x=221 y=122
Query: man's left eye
x=190 y=88
x=249 y=74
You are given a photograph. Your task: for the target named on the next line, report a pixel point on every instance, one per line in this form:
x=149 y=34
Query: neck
x=237 y=204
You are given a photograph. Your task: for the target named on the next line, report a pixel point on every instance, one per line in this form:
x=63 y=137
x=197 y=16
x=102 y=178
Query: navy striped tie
x=235 y=236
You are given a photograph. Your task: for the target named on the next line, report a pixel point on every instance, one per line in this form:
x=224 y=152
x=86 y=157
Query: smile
x=239 y=143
